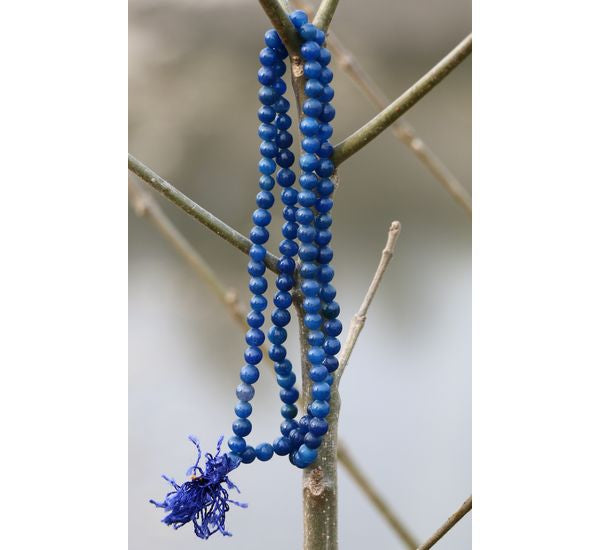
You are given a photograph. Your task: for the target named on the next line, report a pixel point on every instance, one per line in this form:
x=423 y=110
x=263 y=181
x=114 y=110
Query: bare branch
x=450 y=522
x=282 y=24
x=392 y=112
x=325 y=14
x=358 y=321
x=382 y=507
x=196 y=211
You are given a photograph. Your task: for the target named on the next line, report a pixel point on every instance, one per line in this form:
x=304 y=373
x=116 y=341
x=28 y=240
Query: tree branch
x=196 y=211
x=450 y=522
x=358 y=321
x=392 y=112
x=324 y=14
x=282 y=24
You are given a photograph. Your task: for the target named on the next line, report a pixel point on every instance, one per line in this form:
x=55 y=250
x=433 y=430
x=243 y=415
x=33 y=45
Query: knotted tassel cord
x=204 y=500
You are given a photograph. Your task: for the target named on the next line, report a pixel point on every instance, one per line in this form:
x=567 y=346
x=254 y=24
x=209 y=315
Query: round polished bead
x=254 y=337
x=259 y=235
x=312 y=69
x=249 y=374
x=289 y=213
x=265 y=199
x=267 y=57
x=266 y=184
x=316 y=355
x=308 y=32
x=310 y=145
x=236 y=444
x=326 y=187
x=304 y=216
x=256 y=268
x=310 y=288
x=331 y=310
x=297 y=461
x=318 y=426
x=326 y=76
x=248 y=455
x=289 y=196
x=306 y=233
x=329 y=379
x=277 y=335
x=280 y=87
x=308 y=252
x=283 y=368
x=267 y=95
x=325 y=132
x=331 y=364
x=272 y=39
x=284 y=282
x=290 y=230
x=309 y=270
x=303 y=423
x=257 y=285
x=313 y=88
x=288 y=395
x=323 y=221
x=298 y=18
x=266 y=131
x=282 y=446
x=241 y=427
x=280 y=317
x=312 y=441
x=321 y=391
x=286 y=264
x=333 y=327
x=312 y=321
x=286 y=381
x=284 y=140
x=264 y=451
x=318 y=373
x=332 y=346
x=266 y=114
x=325 y=169
x=309 y=162
x=312 y=108
x=243 y=409
x=287 y=426
x=285 y=177
x=285 y=158
x=325 y=255
x=266 y=166
x=261 y=217
x=268 y=149
x=253 y=355
x=328 y=293
x=281 y=105
x=327 y=112
x=310 y=51
x=326 y=274
x=320 y=37
x=279 y=68
x=323 y=237
x=319 y=409
x=327 y=94
x=283 y=121
x=277 y=353
x=296 y=437
x=288 y=248
x=255 y=319
x=306 y=454
x=310 y=126
x=289 y=411
x=324 y=56
x=326 y=150
x=315 y=337
x=283 y=300
x=311 y=305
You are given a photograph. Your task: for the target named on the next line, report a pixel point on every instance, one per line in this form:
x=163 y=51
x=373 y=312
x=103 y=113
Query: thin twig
x=382 y=507
x=325 y=14
x=392 y=112
x=450 y=522
x=144 y=205
x=196 y=211
x=358 y=321
x=284 y=27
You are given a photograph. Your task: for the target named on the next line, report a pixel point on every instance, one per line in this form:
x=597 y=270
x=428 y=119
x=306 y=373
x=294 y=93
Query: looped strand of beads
x=306 y=233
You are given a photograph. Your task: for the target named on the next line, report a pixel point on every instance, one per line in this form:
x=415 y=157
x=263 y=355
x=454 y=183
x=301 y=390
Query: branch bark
x=450 y=522
x=392 y=112
x=196 y=211
x=278 y=16
x=325 y=13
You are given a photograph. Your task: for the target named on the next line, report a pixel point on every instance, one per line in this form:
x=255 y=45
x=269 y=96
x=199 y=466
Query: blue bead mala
x=204 y=499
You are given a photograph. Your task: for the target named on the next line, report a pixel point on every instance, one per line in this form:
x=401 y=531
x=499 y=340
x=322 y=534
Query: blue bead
x=266 y=166
x=279 y=86
x=313 y=88
x=277 y=335
x=319 y=409
x=312 y=108
x=326 y=76
x=289 y=214
x=312 y=321
x=332 y=346
x=258 y=252
x=288 y=248
x=315 y=337
x=256 y=268
x=316 y=355
x=285 y=282
x=306 y=454
x=267 y=95
x=272 y=39
x=267 y=57
x=325 y=255
x=286 y=265
x=309 y=270
x=248 y=455
x=264 y=451
x=282 y=446
x=318 y=373
x=318 y=427
x=284 y=140
x=265 y=199
x=296 y=437
x=267 y=131
x=327 y=94
x=284 y=368
x=304 y=216
x=268 y=149
x=325 y=132
x=330 y=363
x=287 y=426
x=243 y=409
x=277 y=353
x=320 y=38
x=280 y=317
x=253 y=355
x=282 y=105
x=323 y=221
x=326 y=187
x=279 y=68
x=259 y=235
x=312 y=305
x=324 y=56
x=297 y=461
x=288 y=395
x=261 y=217
x=330 y=379
x=298 y=18
x=326 y=150
x=236 y=444
x=327 y=112
x=331 y=310
x=283 y=121
x=310 y=145
x=309 y=162
x=312 y=69
x=308 y=32
x=254 y=337
x=255 y=319
x=304 y=423
x=306 y=233
x=286 y=381
x=289 y=411
x=283 y=300
x=307 y=253
x=323 y=237
x=310 y=51
x=249 y=374
x=310 y=126
x=312 y=441
x=333 y=327
x=289 y=196
x=257 y=285
x=285 y=177
x=266 y=184
x=241 y=427
x=310 y=288
x=266 y=114
x=328 y=294
x=321 y=391
x=325 y=169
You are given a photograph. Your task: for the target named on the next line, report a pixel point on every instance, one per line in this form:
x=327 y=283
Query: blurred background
x=406 y=394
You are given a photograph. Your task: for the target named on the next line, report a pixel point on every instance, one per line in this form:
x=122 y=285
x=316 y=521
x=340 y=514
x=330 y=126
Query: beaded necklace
x=204 y=499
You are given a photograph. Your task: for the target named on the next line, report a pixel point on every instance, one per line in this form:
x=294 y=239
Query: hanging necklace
x=204 y=500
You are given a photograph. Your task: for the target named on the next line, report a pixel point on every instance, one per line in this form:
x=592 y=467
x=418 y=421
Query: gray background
x=407 y=391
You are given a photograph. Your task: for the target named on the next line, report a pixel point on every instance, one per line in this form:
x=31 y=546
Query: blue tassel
x=204 y=499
